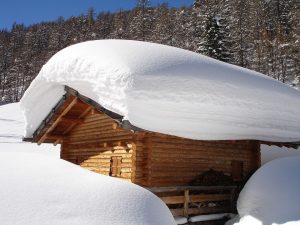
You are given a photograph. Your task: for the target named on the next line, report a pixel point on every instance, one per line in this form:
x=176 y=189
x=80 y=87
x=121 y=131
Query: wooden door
x=115 y=166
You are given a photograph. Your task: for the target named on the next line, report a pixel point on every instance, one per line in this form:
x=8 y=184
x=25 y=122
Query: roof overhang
x=73 y=106
x=70 y=110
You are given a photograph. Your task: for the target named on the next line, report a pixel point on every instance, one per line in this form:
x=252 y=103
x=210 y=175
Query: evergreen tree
x=215 y=45
x=213 y=36
x=141 y=25
x=260 y=35
x=163 y=31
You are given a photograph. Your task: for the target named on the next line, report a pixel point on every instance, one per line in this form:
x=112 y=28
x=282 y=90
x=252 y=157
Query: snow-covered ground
x=271 y=196
x=269 y=153
x=39 y=188
x=47 y=196
x=12 y=129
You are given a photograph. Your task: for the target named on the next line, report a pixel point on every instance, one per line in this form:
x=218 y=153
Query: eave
x=61 y=113
x=72 y=98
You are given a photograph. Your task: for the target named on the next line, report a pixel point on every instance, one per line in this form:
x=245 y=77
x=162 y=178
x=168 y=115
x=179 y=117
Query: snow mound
x=41 y=190
x=11 y=132
x=271 y=196
x=269 y=153
x=169 y=90
x=11 y=123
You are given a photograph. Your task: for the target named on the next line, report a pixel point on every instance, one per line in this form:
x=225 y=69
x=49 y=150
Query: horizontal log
x=101 y=156
x=210 y=198
x=209 y=210
x=200 y=211
x=191 y=188
x=196 y=198
x=101 y=140
x=102 y=137
x=71 y=120
x=98 y=133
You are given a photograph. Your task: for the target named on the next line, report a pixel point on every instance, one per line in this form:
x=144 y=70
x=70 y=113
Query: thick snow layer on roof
x=271 y=196
x=42 y=190
x=169 y=90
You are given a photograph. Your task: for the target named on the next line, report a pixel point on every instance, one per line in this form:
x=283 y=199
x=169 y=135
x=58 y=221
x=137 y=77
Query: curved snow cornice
x=169 y=90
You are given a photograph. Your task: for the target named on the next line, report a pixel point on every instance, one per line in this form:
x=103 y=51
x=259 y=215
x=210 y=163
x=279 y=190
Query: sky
x=35 y=11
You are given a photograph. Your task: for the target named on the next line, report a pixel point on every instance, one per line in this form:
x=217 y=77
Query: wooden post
x=186 y=203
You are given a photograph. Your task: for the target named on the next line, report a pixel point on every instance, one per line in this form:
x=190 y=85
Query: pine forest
x=262 y=35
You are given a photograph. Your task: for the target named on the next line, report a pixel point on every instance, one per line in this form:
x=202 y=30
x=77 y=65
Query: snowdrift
x=42 y=190
x=271 y=196
x=11 y=123
x=11 y=133
x=169 y=90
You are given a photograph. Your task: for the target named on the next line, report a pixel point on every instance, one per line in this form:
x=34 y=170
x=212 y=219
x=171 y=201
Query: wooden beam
x=56 y=122
x=191 y=188
x=186 y=203
x=196 y=198
x=91 y=102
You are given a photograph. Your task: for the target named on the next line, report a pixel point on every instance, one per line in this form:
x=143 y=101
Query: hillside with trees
x=262 y=35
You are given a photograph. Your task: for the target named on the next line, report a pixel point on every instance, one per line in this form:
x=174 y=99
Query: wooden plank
x=196 y=198
x=186 y=203
x=71 y=120
x=209 y=210
x=200 y=211
x=209 y=197
x=173 y=199
x=191 y=188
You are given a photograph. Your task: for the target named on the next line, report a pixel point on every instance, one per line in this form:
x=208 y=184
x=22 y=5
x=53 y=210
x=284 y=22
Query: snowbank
x=269 y=153
x=41 y=190
x=11 y=123
x=11 y=132
x=168 y=90
x=271 y=196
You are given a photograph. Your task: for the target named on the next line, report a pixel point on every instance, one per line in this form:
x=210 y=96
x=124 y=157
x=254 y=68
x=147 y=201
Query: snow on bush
x=169 y=90
x=42 y=190
x=271 y=196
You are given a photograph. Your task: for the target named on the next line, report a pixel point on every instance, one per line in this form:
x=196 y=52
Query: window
x=115 y=166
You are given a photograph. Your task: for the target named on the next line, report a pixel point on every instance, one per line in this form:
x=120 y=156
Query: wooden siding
x=148 y=159
x=176 y=161
x=92 y=143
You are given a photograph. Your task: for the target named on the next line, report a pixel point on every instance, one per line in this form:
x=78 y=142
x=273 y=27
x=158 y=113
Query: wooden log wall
x=152 y=159
x=93 y=143
x=176 y=161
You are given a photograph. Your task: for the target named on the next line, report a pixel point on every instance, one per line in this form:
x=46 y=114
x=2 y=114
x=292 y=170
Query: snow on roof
x=45 y=190
x=169 y=90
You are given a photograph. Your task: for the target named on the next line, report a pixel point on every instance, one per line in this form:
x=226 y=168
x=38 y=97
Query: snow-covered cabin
x=157 y=115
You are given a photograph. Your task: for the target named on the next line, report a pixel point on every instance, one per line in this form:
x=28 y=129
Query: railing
x=197 y=200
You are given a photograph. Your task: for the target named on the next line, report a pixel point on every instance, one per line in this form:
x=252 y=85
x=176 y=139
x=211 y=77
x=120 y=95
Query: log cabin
x=102 y=138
